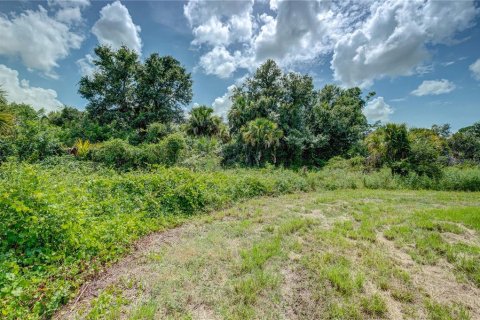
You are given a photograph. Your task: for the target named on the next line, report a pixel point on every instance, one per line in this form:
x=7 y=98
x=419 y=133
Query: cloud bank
x=365 y=40
x=21 y=91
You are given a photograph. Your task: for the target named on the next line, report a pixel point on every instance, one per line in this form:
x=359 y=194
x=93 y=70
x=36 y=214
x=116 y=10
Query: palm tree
x=262 y=135
x=202 y=122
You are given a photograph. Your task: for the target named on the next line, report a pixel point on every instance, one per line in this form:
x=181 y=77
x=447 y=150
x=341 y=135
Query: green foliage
x=389 y=145
x=32 y=137
x=173 y=146
x=202 y=122
x=163 y=87
x=337 y=122
x=156 y=131
x=425 y=150
x=130 y=94
x=261 y=136
x=6 y=122
x=120 y=154
x=82 y=148
x=58 y=226
x=116 y=153
x=315 y=125
x=465 y=144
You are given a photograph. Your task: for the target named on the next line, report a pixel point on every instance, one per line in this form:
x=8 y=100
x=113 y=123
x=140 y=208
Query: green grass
x=374 y=306
x=306 y=255
x=63 y=222
x=469 y=217
x=437 y=311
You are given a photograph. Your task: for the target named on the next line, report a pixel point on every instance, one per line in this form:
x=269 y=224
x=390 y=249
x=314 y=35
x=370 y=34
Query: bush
x=116 y=153
x=59 y=226
x=173 y=145
x=120 y=154
x=157 y=131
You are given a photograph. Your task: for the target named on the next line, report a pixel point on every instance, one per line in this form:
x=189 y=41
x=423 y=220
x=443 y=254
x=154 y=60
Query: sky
x=422 y=58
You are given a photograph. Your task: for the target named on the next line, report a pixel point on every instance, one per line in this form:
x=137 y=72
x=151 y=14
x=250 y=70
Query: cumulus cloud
x=300 y=31
x=212 y=32
x=434 y=87
x=116 y=28
x=219 y=61
x=368 y=40
x=222 y=104
x=230 y=21
x=86 y=65
x=38 y=39
x=377 y=110
x=475 y=69
x=69 y=11
x=20 y=91
x=393 y=40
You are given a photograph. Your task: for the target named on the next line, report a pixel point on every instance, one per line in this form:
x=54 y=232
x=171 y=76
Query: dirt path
x=130 y=266
x=292 y=257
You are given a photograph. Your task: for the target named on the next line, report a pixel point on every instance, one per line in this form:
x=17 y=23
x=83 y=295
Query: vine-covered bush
x=62 y=220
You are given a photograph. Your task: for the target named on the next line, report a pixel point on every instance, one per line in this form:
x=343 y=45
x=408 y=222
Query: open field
x=345 y=254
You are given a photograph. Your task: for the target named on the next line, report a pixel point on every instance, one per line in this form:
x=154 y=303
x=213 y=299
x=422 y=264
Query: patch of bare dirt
x=297 y=301
x=326 y=221
x=467 y=236
x=203 y=312
x=437 y=281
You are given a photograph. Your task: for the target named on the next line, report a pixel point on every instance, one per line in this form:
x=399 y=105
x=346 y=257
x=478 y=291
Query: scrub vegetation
x=96 y=192
x=323 y=255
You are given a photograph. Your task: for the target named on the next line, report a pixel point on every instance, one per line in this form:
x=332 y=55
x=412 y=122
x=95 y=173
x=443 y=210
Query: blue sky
x=422 y=58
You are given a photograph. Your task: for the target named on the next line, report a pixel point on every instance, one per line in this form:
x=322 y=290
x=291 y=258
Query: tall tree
x=164 y=87
x=336 y=121
x=124 y=90
x=111 y=90
x=465 y=144
x=6 y=118
x=202 y=122
x=397 y=146
x=261 y=136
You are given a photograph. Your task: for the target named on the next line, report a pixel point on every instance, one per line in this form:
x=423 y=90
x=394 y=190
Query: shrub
x=58 y=226
x=173 y=145
x=116 y=153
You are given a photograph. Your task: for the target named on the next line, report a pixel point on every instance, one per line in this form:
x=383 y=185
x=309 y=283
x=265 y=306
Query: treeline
x=135 y=118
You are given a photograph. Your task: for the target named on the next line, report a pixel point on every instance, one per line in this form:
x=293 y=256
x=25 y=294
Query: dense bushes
x=120 y=154
x=63 y=220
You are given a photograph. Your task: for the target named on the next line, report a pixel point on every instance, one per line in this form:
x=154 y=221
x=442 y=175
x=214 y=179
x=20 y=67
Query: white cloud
x=300 y=31
x=220 y=22
x=38 y=39
x=69 y=11
x=448 y=63
x=392 y=41
x=434 y=87
x=116 y=28
x=86 y=65
x=219 y=62
x=369 y=40
x=20 y=91
x=377 y=110
x=475 y=69
x=212 y=32
x=222 y=104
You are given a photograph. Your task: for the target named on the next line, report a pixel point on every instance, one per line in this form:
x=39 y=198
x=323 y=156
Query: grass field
x=345 y=254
